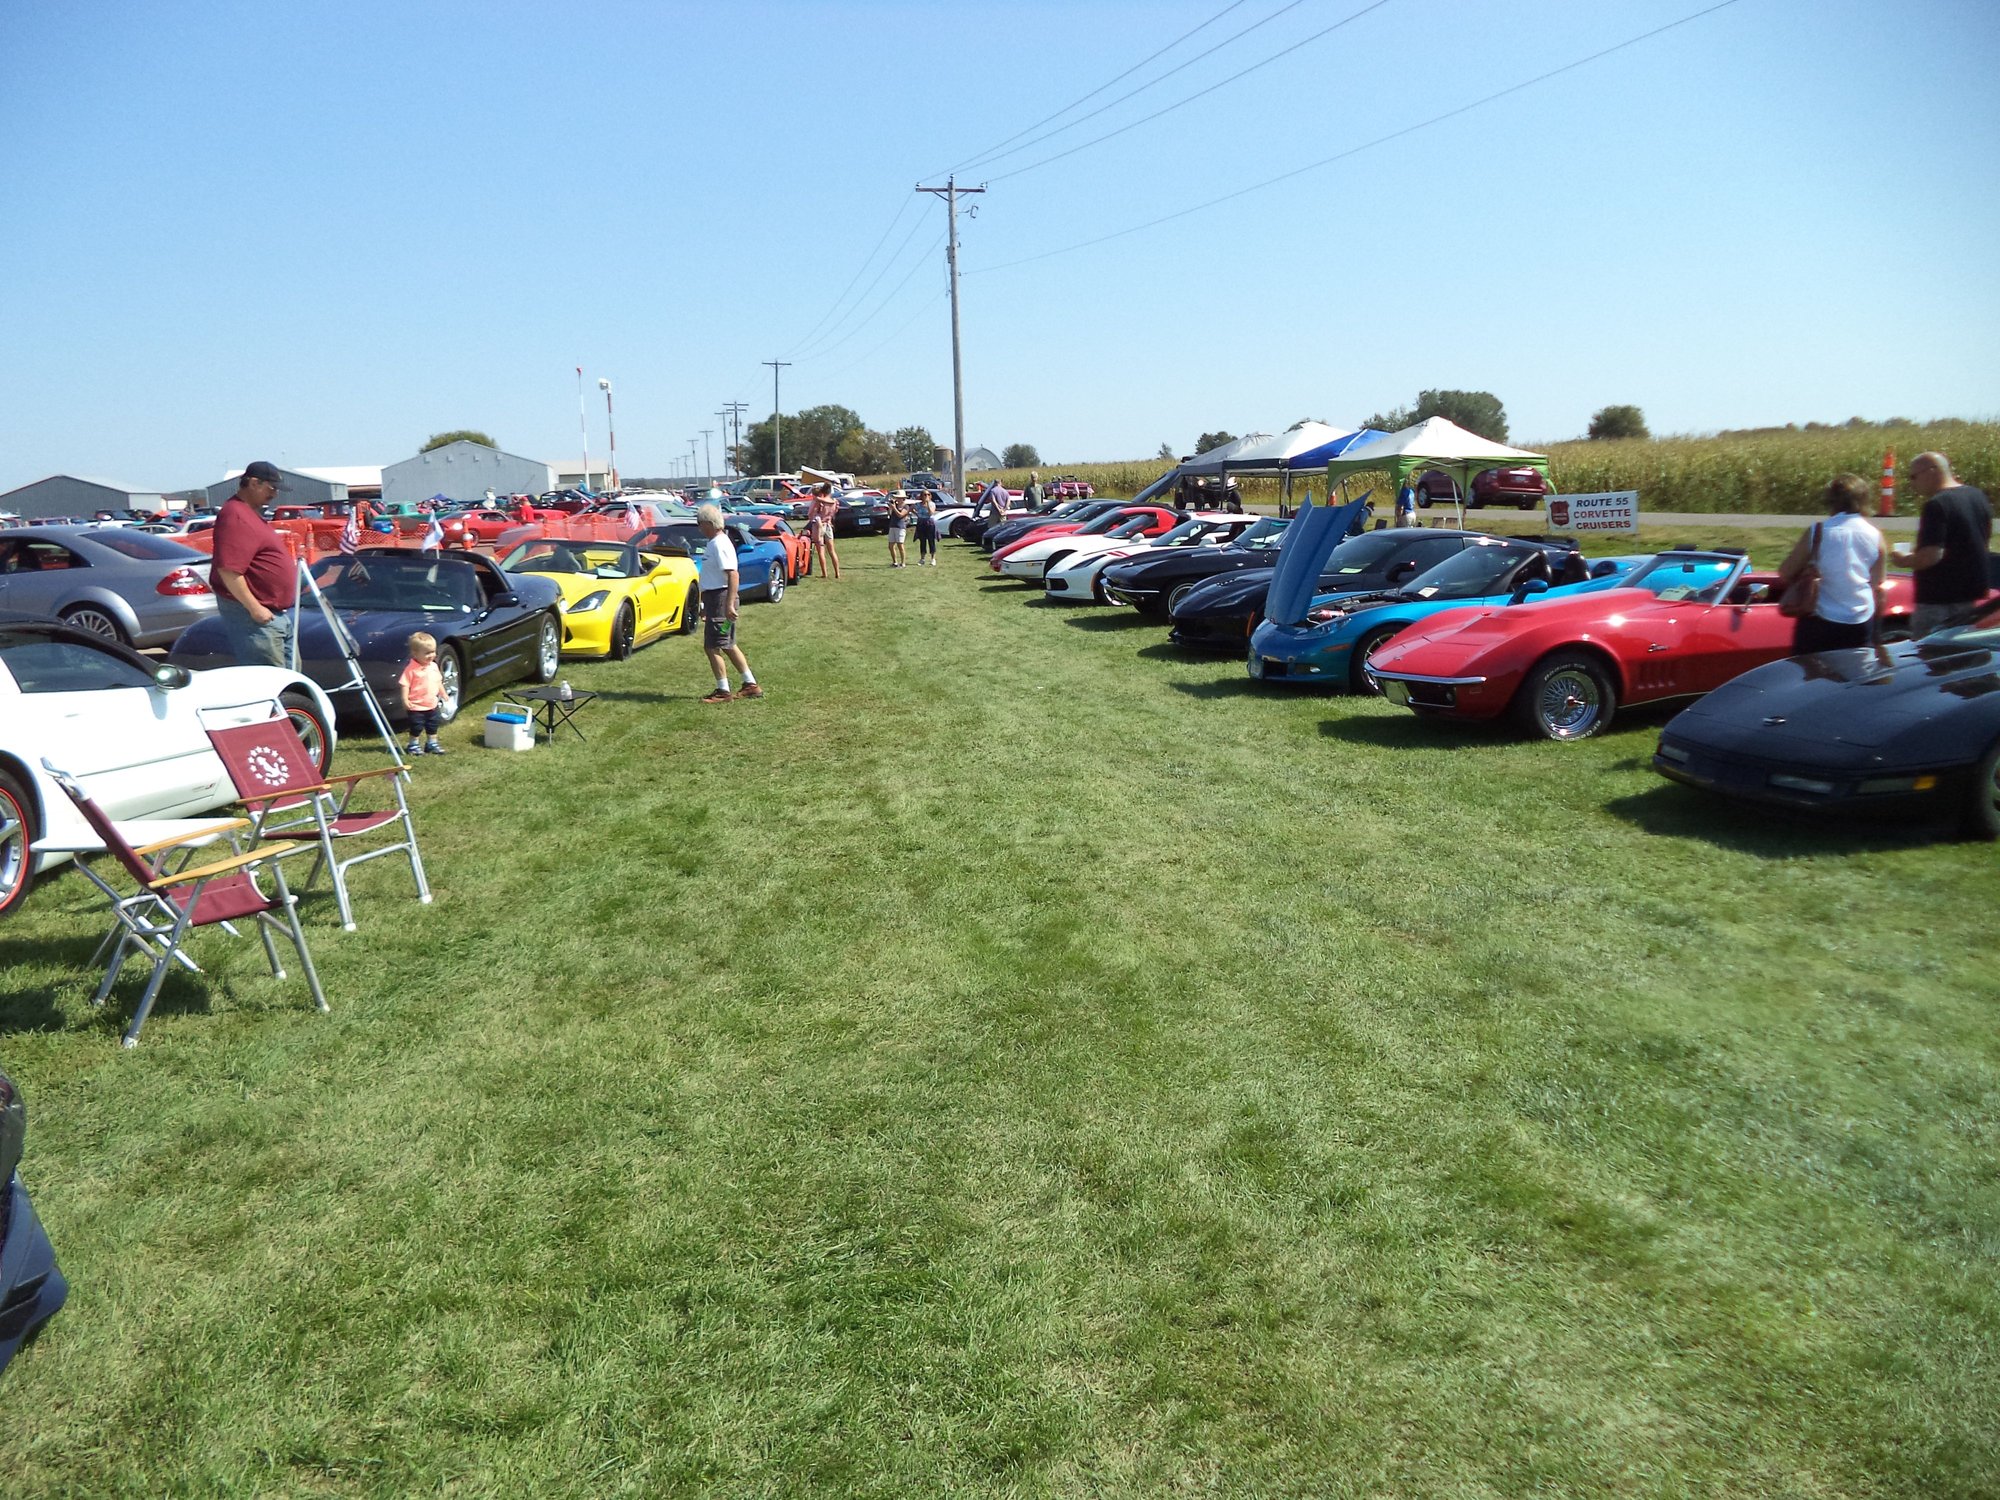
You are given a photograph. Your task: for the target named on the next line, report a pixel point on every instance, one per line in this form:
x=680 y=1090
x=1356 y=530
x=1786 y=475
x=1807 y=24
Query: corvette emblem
x=1774 y=720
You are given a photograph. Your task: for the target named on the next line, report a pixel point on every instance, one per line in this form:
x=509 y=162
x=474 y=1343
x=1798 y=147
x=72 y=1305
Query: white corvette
x=130 y=728
x=1059 y=557
x=1075 y=579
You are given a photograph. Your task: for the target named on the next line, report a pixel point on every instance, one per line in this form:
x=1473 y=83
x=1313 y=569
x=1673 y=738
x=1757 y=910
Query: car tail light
x=183 y=581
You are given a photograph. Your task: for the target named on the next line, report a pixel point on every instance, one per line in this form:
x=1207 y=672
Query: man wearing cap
x=255 y=580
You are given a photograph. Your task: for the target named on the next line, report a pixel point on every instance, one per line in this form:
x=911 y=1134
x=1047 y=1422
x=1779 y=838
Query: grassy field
x=1019 y=1059
x=1775 y=472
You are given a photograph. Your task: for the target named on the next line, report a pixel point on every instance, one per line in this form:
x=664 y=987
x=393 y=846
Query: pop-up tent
x=1216 y=460
x=1434 y=443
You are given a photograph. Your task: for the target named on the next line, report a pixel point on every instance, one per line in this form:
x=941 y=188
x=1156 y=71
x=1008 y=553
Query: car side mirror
x=507 y=599
x=170 y=677
x=1528 y=588
x=1407 y=568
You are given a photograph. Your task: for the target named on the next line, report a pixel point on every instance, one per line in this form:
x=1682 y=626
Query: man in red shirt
x=256 y=582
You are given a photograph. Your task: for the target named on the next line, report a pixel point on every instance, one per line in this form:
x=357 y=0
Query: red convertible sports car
x=1682 y=624
x=1158 y=518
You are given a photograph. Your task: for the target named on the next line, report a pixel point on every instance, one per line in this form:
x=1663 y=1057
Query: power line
x=896 y=255
x=862 y=359
x=983 y=155
x=915 y=266
x=993 y=156
x=1438 y=119
x=1180 y=103
x=901 y=209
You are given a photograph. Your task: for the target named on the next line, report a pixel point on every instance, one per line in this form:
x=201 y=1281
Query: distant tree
x=1211 y=440
x=1618 y=422
x=1166 y=455
x=1475 y=411
x=1302 y=421
x=459 y=435
x=915 y=447
x=864 y=451
x=1019 y=456
x=811 y=437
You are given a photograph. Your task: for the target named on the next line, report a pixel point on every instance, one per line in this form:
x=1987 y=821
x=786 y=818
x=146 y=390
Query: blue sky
x=319 y=232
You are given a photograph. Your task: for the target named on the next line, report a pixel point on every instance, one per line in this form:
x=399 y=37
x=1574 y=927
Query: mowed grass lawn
x=1017 y=1058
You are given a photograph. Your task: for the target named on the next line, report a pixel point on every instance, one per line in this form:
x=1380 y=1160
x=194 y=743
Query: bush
x=1618 y=422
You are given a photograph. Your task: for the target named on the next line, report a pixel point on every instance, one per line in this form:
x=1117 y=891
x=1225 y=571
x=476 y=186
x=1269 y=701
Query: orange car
x=798 y=551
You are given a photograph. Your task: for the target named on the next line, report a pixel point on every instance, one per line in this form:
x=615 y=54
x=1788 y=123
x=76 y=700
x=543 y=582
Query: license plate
x=1396 y=692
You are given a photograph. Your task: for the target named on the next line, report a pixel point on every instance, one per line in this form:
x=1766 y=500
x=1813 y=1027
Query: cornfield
x=1778 y=471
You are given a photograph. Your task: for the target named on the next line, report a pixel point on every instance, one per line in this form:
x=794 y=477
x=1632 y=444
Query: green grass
x=1017 y=1059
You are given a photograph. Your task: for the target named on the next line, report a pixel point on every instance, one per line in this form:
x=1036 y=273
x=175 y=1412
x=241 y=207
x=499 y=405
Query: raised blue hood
x=1315 y=531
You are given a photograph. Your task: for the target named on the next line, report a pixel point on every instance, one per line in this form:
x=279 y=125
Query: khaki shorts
x=717 y=629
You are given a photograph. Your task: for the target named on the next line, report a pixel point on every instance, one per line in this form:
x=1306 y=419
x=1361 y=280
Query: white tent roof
x=1212 y=461
x=1267 y=455
x=1437 y=439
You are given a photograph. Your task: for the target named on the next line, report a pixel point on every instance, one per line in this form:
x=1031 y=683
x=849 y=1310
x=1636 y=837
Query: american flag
x=350 y=534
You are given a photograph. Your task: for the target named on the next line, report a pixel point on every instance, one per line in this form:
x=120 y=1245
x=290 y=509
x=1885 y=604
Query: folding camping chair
x=157 y=917
x=281 y=789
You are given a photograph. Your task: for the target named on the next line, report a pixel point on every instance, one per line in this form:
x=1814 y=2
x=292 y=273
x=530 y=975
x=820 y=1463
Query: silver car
x=116 y=582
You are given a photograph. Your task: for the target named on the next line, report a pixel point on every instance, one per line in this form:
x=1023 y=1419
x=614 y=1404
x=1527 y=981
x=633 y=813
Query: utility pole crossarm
x=951 y=193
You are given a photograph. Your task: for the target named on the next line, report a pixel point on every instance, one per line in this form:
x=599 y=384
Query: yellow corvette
x=615 y=598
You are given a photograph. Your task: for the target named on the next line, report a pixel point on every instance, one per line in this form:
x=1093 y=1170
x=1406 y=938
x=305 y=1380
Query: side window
x=39 y=664
x=46 y=557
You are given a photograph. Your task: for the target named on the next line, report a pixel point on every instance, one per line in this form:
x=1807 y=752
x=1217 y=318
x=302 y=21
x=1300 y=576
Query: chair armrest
x=350 y=777
x=257 y=799
x=214 y=830
x=221 y=866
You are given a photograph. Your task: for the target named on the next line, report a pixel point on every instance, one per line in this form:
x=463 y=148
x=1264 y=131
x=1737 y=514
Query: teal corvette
x=1331 y=646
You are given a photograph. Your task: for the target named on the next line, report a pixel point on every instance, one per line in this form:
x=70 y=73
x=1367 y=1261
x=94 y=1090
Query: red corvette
x=478 y=528
x=798 y=551
x=1158 y=518
x=1681 y=624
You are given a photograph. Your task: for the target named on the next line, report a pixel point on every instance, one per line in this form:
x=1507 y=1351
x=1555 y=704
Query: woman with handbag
x=1833 y=577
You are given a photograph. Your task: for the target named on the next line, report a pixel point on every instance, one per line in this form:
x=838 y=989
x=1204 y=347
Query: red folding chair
x=167 y=906
x=281 y=789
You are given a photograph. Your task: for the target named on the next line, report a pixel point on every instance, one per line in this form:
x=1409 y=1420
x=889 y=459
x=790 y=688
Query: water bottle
x=564 y=691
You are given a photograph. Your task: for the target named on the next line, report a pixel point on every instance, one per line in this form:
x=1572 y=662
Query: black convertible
x=492 y=628
x=1221 y=612
x=1913 y=726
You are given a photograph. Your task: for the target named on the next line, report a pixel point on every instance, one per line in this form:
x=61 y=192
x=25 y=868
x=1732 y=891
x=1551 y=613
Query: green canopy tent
x=1434 y=443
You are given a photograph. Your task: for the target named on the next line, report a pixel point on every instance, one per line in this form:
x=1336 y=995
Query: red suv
x=1523 y=487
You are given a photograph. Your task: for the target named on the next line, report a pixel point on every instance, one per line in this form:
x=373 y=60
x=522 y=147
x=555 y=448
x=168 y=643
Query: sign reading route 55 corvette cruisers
x=1617 y=510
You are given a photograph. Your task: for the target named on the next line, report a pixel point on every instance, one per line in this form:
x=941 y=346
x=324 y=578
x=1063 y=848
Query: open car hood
x=1309 y=541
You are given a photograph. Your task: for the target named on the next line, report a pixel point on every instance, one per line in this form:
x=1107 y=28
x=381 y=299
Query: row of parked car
x=1464 y=626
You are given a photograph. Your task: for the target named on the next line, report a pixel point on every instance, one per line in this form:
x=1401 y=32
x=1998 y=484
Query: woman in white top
x=1851 y=558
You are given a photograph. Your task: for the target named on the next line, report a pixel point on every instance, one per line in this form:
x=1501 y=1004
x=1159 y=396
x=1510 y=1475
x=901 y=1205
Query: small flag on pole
x=433 y=535
x=350 y=534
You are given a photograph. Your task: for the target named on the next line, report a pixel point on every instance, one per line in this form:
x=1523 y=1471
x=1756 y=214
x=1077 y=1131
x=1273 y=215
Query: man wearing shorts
x=718 y=608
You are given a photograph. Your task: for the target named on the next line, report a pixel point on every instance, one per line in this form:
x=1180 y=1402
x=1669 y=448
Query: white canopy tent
x=1265 y=454
x=1217 y=459
x=1434 y=443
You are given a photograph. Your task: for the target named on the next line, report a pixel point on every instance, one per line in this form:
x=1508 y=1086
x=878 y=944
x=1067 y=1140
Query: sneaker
x=413 y=748
x=751 y=690
x=720 y=695
x=433 y=748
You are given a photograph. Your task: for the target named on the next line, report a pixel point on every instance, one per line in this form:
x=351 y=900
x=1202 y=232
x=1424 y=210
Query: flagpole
x=583 y=426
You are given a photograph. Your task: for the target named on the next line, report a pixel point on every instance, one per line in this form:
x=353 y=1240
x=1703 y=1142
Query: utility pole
x=694 y=449
x=950 y=193
x=707 y=454
x=610 y=426
x=777 y=422
x=732 y=412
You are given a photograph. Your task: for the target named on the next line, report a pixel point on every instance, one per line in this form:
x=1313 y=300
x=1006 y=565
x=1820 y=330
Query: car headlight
x=590 y=601
x=1879 y=784
x=1673 y=753
x=1326 y=614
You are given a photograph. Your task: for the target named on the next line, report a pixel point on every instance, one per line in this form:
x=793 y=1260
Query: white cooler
x=510 y=727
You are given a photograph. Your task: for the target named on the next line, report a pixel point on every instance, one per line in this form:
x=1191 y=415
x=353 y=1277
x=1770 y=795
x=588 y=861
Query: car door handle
x=1656 y=646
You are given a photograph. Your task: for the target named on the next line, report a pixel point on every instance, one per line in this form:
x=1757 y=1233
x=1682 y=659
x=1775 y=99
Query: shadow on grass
x=1226 y=687
x=1168 y=651
x=1407 y=731
x=38 y=1007
x=626 y=695
x=1111 y=620
x=1672 y=811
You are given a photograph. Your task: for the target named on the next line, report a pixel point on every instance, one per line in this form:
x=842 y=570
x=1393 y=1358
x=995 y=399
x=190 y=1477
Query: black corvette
x=1012 y=527
x=861 y=516
x=1221 y=612
x=492 y=628
x=1913 y=726
x=1149 y=583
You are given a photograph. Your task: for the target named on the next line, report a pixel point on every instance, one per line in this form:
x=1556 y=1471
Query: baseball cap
x=266 y=472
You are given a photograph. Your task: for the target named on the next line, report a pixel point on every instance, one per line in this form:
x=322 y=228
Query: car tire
x=1174 y=598
x=774 y=591
x=452 y=679
x=18 y=832
x=98 y=620
x=1982 y=803
x=1423 y=500
x=1568 y=696
x=624 y=634
x=309 y=724
x=1358 y=678
x=1530 y=503
x=548 y=649
x=691 y=609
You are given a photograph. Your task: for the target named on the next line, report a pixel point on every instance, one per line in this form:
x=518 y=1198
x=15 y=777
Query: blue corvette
x=1331 y=645
x=760 y=565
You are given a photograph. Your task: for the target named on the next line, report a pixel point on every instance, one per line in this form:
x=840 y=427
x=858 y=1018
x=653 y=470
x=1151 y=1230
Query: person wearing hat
x=256 y=582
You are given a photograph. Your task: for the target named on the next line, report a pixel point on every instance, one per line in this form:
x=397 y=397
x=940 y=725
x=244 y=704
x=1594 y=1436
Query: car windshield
x=144 y=545
x=1475 y=571
x=1674 y=576
x=1364 y=553
x=1102 y=524
x=1134 y=527
x=1187 y=531
x=597 y=561
x=390 y=580
x=1264 y=536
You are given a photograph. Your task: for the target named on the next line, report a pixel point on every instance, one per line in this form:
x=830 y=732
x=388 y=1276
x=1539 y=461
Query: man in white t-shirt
x=718 y=608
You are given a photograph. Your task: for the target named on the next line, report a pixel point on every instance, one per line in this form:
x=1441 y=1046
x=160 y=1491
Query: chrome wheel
x=548 y=650
x=95 y=620
x=17 y=833
x=776 y=589
x=1570 y=696
x=451 y=678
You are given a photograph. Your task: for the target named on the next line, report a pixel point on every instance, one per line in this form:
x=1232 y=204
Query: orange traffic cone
x=1888 y=506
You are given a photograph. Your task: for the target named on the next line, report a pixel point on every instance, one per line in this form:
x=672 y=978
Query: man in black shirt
x=1953 y=534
